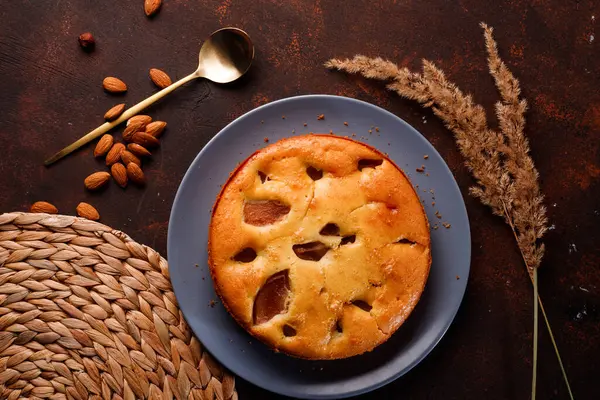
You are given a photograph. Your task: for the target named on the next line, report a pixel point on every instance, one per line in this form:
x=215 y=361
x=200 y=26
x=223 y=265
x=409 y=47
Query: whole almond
x=135 y=124
x=96 y=180
x=156 y=128
x=104 y=145
x=114 y=154
x=114 y=112
x=114 y=85
x=139 y=120
x=151 y=7
x=160 y=78
x=88 y=211
x=129 y=157
x=119 y=174
x=138 y=150
x=43 y=207
x=135 y=174
x=143 y=139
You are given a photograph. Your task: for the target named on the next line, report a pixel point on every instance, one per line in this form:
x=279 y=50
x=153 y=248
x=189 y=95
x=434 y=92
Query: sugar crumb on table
x=425 y=157
x=446 y=225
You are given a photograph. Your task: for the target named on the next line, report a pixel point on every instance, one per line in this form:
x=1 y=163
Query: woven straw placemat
x=86 y=312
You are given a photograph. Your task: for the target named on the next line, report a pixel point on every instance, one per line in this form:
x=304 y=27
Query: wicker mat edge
x=86 y=312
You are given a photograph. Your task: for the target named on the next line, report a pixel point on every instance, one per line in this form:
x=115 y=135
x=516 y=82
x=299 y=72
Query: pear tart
x=319 y=246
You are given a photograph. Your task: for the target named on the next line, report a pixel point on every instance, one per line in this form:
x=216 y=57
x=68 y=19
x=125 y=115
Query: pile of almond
x=125 y=158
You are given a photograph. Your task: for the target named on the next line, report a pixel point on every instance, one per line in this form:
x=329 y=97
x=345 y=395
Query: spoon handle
x=107 y=126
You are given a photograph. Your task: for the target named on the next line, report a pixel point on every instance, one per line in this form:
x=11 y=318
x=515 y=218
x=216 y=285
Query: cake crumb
x=305 y=124
x=262 y=121
x=196 y=265
x=421 y=170
x=345 y=123
x=320 y=117
x=354 y=135
x=293 y=131
x=370 y=131
x=446 y=225
x=433 y=203
x=266 y=139
x=212 y=303
x=425 y=157
x=376 y=129
x=457 y=277
x=437 y=214
x=283 y=117
x=435 y=227
x=331 y=131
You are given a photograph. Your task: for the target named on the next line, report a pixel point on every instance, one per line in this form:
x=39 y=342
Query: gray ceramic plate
x=250 y=359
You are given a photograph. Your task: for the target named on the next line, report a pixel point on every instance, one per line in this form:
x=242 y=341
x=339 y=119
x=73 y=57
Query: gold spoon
x=224 y=57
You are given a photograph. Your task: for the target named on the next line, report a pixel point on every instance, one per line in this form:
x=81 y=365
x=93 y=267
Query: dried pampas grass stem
x=506 y=179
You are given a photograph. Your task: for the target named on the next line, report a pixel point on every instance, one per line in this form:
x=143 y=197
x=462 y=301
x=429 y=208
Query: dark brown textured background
x=51 y=94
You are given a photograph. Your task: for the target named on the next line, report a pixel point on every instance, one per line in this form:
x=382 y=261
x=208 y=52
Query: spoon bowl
x=226 y=55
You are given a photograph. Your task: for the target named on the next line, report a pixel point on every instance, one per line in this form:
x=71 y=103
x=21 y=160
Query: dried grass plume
x=505 y=175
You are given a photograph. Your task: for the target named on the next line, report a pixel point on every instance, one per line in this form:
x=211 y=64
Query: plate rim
x=455 y=187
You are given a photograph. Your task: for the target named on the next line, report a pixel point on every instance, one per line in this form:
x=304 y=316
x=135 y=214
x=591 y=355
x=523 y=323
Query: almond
x=103 y=145
x=114 y=112
x=43 y=207
x=88 y=211
x=119 y=174
x=143 y=139
x=138 y=150
x=135 y=124
x=139 y=120
x=114 y=85
x=151 y=7
x=96 y=180
x=129 y=157
x=156 y=128
x=160 y=78
x=114 y=154
x=135 y=174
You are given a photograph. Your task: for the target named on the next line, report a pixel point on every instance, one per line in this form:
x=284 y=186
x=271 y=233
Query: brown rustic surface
x=51 y=94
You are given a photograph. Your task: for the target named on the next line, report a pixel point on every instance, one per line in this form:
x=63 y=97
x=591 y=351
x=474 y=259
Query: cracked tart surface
x=319 y=246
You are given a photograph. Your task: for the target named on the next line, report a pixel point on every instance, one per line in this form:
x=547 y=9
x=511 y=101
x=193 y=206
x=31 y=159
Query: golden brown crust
x=372 y=264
